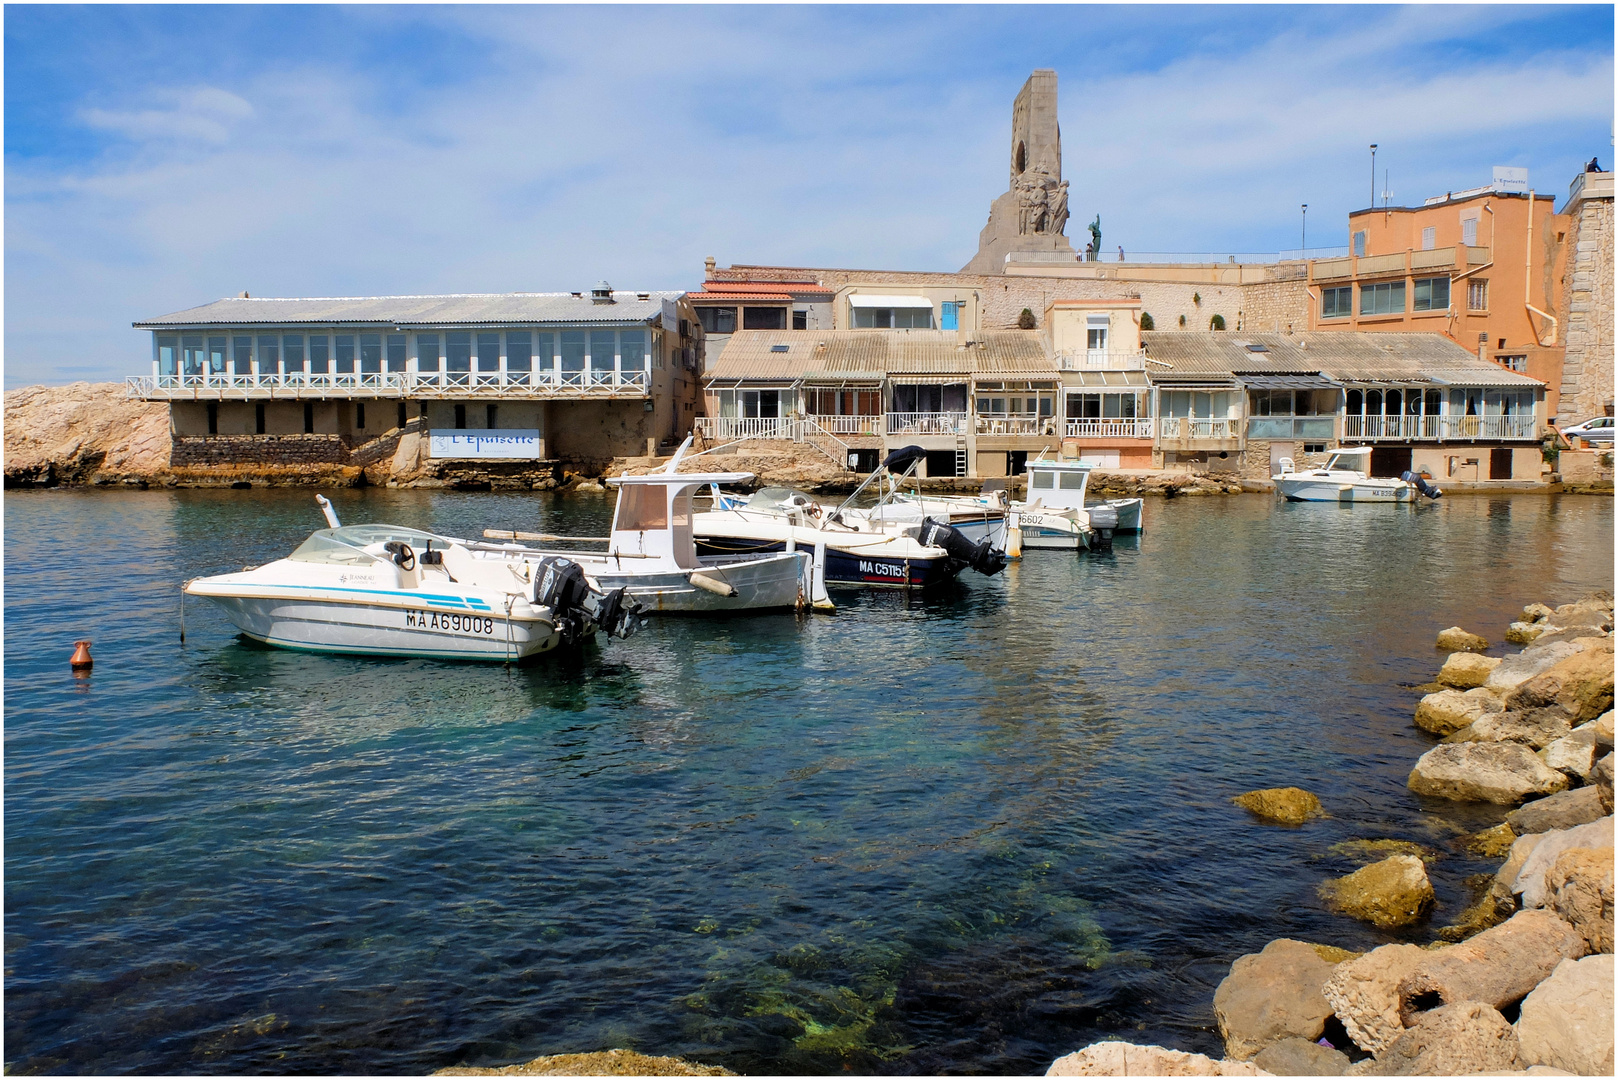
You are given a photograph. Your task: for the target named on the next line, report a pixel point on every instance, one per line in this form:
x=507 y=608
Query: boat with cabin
x=1345 y=478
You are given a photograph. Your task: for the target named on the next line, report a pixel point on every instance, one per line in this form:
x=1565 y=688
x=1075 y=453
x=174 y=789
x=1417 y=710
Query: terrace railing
x=926 y=423
x=1100 y=360
x=729 y=428
x=1291 y=427
x=1198 y=427
x=387 y=383
x=1109 y=429
x=991 y=424
x=849 y=425
x=1440 y=428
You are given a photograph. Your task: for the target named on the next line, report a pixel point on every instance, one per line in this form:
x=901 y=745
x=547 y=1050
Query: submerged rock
x=1302 y=1057
x=606 y=1063
x=1534 y=613
x=1367 y=851
x=1130 y=1059
x=1566 y=1022
x=1502 y=773
x=1563 y=810
x=1578 y=887
x=1521 y=633
x=1272 y=995
x=1491 y=843
x=1364 y=993
x=1288 y=805
x=1393 y=892
x=1477 y=916
x=1457 y=640
x=1465 y=670
x=1462 y=1039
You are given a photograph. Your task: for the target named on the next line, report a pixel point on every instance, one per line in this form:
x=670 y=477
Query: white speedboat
x=652 y=553
x=1345 y=479
x=387 y=590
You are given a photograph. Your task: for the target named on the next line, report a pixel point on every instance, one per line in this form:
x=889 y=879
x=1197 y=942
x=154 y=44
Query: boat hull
x=1303 y=489
x=762 y=584
x=1051 y=532
x=330 y=625
x=846 y=568
x=1129 y=513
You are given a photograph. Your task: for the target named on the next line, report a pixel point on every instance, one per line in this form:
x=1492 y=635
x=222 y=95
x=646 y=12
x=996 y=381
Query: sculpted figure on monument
x=1057 y=220
x=1031 y=198
x=1093 y=248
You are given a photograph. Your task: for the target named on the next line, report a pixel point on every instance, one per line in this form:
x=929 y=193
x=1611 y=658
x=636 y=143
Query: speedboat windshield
x=775 y=498
x=348 y=544
x=1347 y=462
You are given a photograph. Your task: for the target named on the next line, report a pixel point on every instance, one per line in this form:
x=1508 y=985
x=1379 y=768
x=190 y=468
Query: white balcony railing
x=730 y=428
x=926 y=423
x=1291 y=427
x=388 y=383
x=1198 y=427
x=1109 y=429
x=849 y=425
x=991 y=424
x=1100 y=360
x=1439 y=428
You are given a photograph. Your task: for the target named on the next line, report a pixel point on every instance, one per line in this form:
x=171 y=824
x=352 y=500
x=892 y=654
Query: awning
x=1130 y=380
x=874 y=301
x=1289 y=382
x=928 y=380
x=831 y=380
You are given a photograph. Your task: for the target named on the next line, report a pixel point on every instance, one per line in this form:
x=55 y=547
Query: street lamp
x=1373 y=176
x=1303 y=241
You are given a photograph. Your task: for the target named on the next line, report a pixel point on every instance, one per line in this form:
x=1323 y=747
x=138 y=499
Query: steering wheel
x=403 y=557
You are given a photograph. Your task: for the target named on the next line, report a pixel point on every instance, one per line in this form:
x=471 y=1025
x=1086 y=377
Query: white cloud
x=205 y=114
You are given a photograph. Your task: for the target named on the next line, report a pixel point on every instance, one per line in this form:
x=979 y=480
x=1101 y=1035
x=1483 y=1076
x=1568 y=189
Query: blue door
x=946 y=316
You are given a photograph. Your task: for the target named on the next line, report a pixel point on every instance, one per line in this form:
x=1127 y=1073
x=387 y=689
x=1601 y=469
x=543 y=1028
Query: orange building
x=1474 y=266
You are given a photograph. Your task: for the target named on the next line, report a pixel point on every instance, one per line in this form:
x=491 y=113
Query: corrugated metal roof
x=471 y=309
x=1345 y=356
x=871 y=354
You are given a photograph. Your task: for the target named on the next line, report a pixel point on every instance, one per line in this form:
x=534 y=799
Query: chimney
x=601 y=294
x=708 y=265
x=244 y=296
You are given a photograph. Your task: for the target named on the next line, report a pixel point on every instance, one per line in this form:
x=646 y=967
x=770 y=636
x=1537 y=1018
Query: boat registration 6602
x=449 y=623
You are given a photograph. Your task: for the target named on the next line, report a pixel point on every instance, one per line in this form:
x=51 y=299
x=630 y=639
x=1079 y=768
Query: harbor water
x=965 y=832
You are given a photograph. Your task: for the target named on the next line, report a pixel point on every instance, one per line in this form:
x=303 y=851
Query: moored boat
x=1345 y=479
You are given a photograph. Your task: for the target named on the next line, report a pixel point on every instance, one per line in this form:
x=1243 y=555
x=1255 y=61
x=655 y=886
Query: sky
x=157 y=158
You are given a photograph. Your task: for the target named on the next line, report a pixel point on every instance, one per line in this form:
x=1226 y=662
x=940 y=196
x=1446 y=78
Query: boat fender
x=981 y=556
x=712 y=584
x=1421 y=484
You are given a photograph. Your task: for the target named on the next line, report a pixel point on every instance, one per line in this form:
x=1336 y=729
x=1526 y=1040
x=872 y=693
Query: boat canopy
x=347 y=544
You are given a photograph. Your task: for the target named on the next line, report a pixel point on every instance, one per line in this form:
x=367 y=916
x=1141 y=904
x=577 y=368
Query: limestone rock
x=1130 y=1059
x=1455 y=639
x=1492 y=843
x=1569 y=633
x=1289 y=805
x=1390 y=893
x=1581 y=683
x=606 y=1063
x=1364 y=993
x=1535 y=728
x=1477 y=916
x=1601 y=780
x=1370 y=851
x=82 y=432
x=1504 y=773
x=1582 y=613
x=1449 y=711
x=1497 y=967
x=1566 y=1022
x=1505 y=879
x=1516 y=670
x=1466 y=670
x=1272 y=995
x=1601 y=729
x=1534 y=613
x=1563 y=810
x=1578 y=887
x=1530 y=883
x=1301 y=1057
x=1521 y=633
x=1456 y=1040
x=1574 y=755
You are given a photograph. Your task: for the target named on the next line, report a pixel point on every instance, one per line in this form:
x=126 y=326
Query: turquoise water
x=961 y=833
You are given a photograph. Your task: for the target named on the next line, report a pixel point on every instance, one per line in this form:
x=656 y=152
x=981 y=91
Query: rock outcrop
x=1301 y=1057
x=1449 y=711
x=1288 y=805
x=1462 y=1039
x=1530 y=883
x=1498 y=966
x=1454 y=639
x=605 y=1063
x=1582 y=684
x=1364 y=993
x=1272 y=995
x=1129 y=1059
x=1563 y=810
x=1566 y=1023
x=82 y=433
x=1464 y=670
x=1504 y=773
x=1578 y=887
x=1390 y=893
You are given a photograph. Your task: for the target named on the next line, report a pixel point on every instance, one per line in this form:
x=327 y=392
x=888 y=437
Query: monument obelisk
x=1027 y=222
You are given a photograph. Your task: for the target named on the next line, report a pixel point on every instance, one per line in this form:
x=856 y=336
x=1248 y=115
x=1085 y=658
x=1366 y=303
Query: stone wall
x=1587 y=308
x=193 y=451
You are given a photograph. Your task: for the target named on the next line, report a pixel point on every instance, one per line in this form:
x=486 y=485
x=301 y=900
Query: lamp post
x=1373 y=176
x=1303 y=240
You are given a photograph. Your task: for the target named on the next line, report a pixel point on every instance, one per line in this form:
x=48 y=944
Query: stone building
x=1585 y=299
x=514 y=377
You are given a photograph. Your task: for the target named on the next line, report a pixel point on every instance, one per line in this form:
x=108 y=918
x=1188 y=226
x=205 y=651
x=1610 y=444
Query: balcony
x=733 y=428
x=1440 y=428
x=1109 y=429
x=1182 y=428
x=303 y=385
x=926 y=423
x=1292 y=427
x=848 y=425
x=1015 y=425
x=1100 y=360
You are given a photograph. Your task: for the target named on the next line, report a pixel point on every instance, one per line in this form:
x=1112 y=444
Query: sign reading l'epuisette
x=487 y=443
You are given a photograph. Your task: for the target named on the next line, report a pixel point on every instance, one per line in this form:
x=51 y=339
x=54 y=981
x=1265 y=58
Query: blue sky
x=161 y=157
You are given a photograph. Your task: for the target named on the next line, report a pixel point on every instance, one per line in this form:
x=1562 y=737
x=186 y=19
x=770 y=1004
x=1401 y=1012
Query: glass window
x=1469 y=232
x=457 y=351
x=1096 y=338
x=519 y=350
x=1431 y=294
x=343 y=350
x=216 y=355
x=1388 y=298
x=572 y=351
x=396 y=352
x=489 y=351
x=370 y=353
x=763 y=318
x=632 y=349
x=319 y=354
x=426 y=352
x=727 y=403
x=168 y=356
x=919 y=318
x=1429 y=237
x=241 y=355
x=292 y=350
x=269 y=354
x=545 y=357
x=1355 y=403
x=601 y=351
x=1359 y=244
x=193 y=355
x=1072 y=481
x=717 y=320
x=866 y=318
x=1042 y=479
x=1337 y=303
x=1477 y=294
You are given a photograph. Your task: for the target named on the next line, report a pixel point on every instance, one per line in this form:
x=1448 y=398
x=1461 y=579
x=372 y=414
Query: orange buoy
x=81 y=656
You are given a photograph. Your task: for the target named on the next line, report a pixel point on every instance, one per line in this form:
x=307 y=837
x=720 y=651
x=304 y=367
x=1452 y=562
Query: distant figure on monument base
x=1027 y=222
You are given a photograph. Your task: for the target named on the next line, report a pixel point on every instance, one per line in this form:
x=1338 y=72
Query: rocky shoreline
x=1522 y=981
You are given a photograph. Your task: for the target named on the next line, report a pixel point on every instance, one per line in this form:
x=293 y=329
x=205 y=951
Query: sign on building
x=488 y=444
x=1510 y=180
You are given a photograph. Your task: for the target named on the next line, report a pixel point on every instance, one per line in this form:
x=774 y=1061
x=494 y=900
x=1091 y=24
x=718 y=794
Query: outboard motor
x=980 y=556
x=559 y=585
x=1104 y=522
x=618 y=615
x=1421 y=484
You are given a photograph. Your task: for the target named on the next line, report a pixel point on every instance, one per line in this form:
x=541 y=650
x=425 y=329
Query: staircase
x=812 y=434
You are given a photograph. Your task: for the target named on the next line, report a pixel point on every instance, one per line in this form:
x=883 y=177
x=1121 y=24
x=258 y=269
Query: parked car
x=1597 y=430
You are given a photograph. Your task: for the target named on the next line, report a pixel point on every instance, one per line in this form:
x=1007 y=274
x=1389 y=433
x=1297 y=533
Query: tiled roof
x=473 y=309
x=712 y=286
x=1342 y=355
x=732 y=297
x=871 y=354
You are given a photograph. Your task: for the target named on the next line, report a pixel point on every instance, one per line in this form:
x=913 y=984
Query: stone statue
x=1058 y=208
x=1031 y=202
x=1093 y=248
x=1026 y=223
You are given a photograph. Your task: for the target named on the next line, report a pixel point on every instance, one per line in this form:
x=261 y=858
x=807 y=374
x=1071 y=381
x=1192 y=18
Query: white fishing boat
x=387 y=590
x=652 y=553
x=1345 y=479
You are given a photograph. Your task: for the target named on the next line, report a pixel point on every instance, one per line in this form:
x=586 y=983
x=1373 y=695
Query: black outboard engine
x=980 y=556
x=1421 y=484
x=1104 y=522
x=618 y=615
x=559 y=585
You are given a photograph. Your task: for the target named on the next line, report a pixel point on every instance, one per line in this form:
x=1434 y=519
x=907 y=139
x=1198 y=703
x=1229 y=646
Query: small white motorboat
x=1345 y=479
x=387 y=590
